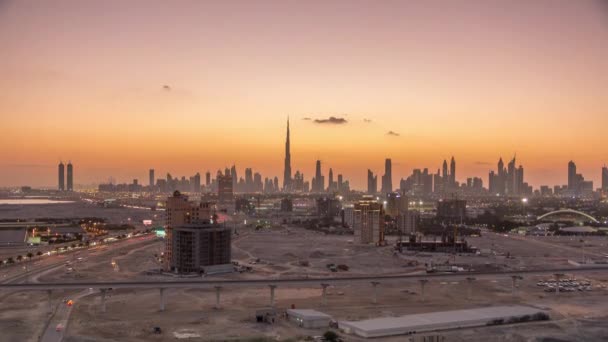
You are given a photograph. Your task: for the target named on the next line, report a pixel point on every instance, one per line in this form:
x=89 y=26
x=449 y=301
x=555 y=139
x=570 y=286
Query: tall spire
x=287 y=172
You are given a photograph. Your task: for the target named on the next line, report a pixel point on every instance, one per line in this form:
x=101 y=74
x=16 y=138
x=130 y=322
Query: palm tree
x=19 y=258
x=10 y=260
x=29 y=255
x=39 y=253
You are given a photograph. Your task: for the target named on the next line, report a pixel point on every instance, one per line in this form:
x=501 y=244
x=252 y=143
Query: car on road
x=59 y=327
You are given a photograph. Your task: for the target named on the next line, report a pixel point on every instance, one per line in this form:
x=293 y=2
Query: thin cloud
x=367 y=120
x=166 y=88
x=393 y=134
x=332 y=120
x=306 y=118
x=482 y=163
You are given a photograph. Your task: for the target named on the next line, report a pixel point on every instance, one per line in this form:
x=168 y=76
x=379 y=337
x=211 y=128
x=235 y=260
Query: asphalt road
x=59 y=321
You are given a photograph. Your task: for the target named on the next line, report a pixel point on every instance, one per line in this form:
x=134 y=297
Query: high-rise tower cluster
x=508 y=181
x=61 y=172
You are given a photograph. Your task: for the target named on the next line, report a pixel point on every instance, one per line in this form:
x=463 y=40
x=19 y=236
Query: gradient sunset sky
x=119 y=87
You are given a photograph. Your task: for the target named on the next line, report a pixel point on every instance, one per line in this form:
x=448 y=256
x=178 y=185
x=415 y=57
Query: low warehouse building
x=310 y=319
x=434 y=321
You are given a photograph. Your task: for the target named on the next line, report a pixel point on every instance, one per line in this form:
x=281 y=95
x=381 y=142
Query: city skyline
x=407 y=88
x=509 y=180
x=304 y=170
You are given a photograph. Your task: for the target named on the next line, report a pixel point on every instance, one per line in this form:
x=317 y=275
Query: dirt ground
x=132 y=314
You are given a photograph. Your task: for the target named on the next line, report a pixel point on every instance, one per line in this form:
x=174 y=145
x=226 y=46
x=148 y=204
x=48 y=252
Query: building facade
x=61 y=176
x=180 y=211
x=198 y=247
x=70 y=177
x=225 y=192
x=368 y=222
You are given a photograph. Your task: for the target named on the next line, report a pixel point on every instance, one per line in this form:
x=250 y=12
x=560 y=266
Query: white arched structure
x=568 y=211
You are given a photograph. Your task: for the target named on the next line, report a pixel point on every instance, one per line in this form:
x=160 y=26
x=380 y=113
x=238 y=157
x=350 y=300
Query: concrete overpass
x=374 y=280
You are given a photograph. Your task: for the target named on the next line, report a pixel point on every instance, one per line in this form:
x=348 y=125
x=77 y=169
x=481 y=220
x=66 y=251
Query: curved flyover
x=568 y=211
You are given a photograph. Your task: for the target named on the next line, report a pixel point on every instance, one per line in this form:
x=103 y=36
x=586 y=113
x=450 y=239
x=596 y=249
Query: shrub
x=540 y=316
x=330 y=336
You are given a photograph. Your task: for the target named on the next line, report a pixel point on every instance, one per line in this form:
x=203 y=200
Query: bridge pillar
x=50 y=296
x=423 y=283
x=103 y=300
x=217 y=296
x=272 y=287
x=375 y=291
x=514 y=279
x=324 y=295
x=162 y=299
x=470 y=287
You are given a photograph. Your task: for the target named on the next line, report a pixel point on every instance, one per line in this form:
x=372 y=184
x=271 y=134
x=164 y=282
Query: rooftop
x=308 y=313
x=436 y=320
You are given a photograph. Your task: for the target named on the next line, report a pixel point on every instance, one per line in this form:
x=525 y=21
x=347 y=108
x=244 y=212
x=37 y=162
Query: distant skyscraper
x=196 y=183
x=249 y=180
x=511 y=178
x=224 y=188
x=287 y=171
x=258 y=186
x=70 y=177
x=330 y=184
x=61 y=173
x=372 y=183
x=436 y=182
x=605 y=178
x=577 y=185
x=387 y=178
x=572 y=176
x=497 y=180
x=207 y=178
x=501 y=166
x=453 y=172
x=234 y=178
x=298 y=182
x=318 y=182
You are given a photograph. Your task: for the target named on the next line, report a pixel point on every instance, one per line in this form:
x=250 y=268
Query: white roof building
x=433 y=321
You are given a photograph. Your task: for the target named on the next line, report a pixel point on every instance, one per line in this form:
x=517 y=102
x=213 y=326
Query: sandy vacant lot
x=132 y=314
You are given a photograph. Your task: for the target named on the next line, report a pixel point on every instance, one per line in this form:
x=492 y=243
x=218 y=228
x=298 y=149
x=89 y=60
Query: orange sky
x=85 y=81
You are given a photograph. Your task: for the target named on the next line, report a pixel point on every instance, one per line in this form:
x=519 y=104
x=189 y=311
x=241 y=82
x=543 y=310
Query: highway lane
x=44 y=264
x=58 y=323
x=287 y=281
